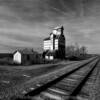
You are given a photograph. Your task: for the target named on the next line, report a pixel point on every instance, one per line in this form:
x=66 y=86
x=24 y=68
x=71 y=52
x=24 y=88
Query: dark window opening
x=28 y=57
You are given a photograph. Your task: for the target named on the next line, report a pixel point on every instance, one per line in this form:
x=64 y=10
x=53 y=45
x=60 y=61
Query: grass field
x=11 y=76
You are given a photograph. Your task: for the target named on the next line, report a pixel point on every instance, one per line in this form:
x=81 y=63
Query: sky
x=25 y=23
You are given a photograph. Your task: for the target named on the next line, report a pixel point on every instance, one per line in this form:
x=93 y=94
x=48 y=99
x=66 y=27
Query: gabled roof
x=58 y=27
x=48 y=38
x=50 y=53
x=26 y=51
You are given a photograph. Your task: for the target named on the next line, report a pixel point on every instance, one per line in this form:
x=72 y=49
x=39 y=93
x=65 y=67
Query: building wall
x=27 y=58
x=61 y=46
x=56 y=44
x=52 y=44
x=46 y=45
x=49 y=57
x=17 y=58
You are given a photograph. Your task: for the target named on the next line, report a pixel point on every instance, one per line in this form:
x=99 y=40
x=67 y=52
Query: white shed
x=17 y=57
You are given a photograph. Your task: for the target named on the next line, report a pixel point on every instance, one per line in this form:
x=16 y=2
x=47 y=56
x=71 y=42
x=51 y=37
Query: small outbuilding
x=50 y=55
x=23 y=56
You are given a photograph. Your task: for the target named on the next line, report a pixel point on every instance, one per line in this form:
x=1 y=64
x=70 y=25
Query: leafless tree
x=75 y=50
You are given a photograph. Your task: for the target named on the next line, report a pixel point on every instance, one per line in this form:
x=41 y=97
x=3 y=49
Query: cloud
x=27 y=22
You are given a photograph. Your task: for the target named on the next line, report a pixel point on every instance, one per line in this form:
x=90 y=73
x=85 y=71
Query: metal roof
x=48 y=38
x=58 y=27
x=26 y=51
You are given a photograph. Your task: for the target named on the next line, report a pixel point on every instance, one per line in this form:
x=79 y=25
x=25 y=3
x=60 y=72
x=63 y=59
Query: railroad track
x=71 y=85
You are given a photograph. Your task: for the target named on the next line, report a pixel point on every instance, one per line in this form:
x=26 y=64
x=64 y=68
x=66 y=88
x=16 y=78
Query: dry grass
x=95 y=92
x=14 y=76
x=15 y=81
